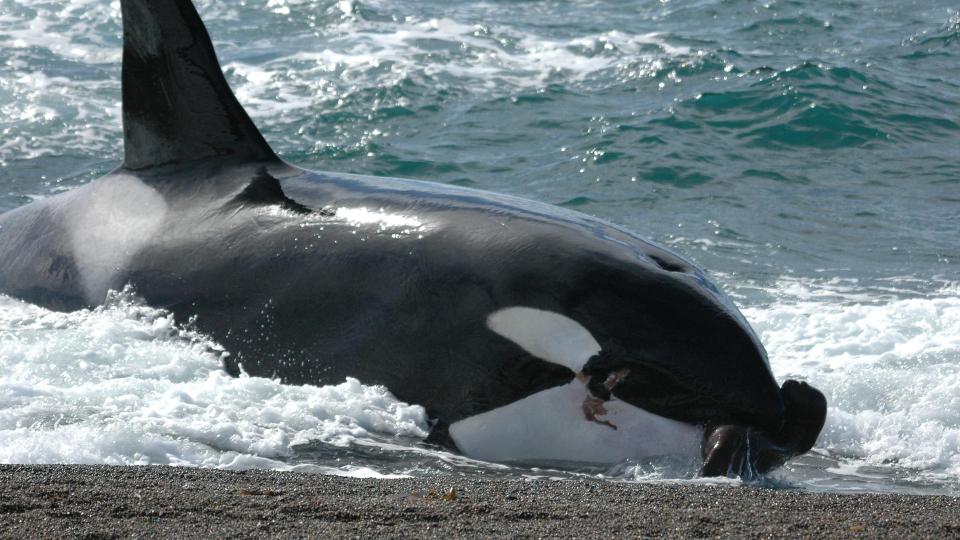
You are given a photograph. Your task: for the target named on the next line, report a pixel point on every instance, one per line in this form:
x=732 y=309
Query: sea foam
x=890 y=367
x=123 y=384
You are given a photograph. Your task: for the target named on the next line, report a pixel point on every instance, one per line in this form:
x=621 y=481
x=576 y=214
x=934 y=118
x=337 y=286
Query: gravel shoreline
x=110 y=502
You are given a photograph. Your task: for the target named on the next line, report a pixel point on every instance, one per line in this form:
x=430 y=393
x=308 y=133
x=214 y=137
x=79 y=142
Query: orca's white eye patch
x=547 y=335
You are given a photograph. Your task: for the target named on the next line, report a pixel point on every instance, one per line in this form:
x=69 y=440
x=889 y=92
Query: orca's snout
x=806 y=412
x=739 y=450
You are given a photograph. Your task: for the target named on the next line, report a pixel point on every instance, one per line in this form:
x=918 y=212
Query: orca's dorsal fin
x=177 y=106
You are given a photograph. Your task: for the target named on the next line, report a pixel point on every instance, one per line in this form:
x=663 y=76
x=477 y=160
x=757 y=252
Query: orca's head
x=687 y=352
x=657 y=334
x=673 y=344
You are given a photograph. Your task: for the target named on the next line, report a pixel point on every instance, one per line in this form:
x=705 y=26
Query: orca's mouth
x=741 y=438
x=665 y=393
x=743 y=451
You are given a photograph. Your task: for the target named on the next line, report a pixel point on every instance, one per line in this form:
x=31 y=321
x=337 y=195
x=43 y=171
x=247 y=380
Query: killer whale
x=527 y=331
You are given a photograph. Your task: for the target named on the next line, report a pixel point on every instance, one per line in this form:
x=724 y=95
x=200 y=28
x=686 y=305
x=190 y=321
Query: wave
x=123 y=385
x=889 y=365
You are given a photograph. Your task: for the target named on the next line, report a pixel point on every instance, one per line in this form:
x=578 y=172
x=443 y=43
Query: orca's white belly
x=551 y=425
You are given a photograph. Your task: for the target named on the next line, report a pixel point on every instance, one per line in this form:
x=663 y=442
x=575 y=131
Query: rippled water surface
x=807 y=154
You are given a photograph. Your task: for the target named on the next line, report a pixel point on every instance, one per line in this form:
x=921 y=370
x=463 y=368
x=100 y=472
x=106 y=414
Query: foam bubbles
x=890 y=368
x=123 y=384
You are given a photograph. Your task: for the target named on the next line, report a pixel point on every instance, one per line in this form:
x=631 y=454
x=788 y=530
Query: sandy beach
x=78 y=501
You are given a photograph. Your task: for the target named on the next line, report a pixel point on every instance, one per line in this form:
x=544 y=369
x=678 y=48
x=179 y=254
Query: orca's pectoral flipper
x=177 y=105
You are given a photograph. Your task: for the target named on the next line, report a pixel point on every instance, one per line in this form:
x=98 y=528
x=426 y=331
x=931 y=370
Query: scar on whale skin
x=592 y=405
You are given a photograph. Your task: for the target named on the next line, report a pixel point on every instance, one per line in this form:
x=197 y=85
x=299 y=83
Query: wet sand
x=110 y=502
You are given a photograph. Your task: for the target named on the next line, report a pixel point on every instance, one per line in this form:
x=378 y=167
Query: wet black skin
x=264 y=255
x=745 y=452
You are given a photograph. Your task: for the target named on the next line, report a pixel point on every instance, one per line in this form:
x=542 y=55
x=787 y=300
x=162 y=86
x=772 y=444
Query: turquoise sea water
x=807 y=154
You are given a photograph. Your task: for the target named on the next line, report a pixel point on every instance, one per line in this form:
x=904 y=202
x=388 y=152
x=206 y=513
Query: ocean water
x=806 y=154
